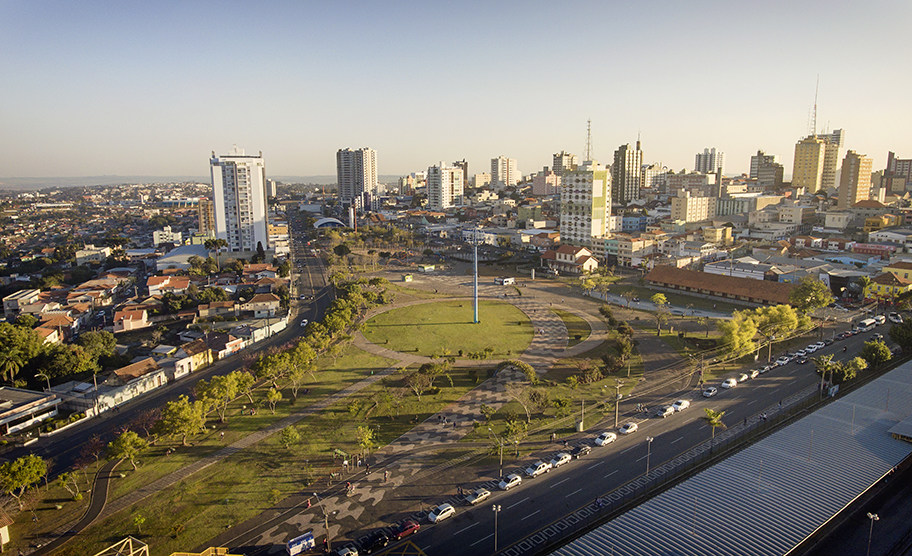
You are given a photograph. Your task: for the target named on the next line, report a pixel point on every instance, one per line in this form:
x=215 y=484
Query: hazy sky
x=150 y=88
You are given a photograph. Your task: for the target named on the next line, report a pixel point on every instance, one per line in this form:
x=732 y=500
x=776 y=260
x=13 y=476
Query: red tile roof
x=746 y=289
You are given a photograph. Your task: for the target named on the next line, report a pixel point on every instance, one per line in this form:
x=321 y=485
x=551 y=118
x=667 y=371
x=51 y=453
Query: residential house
x=50 y=335
x=124 y=321
x=252 y=272
x=899 y=236
x=14 y=301
x=222 y=345
x=65 y=325
x=903 y=269
x=875 y=223
x=569 y=258
x=545 y=240
x=159 y=285
x=222 y=309
x=887 y=287
x=262 y=305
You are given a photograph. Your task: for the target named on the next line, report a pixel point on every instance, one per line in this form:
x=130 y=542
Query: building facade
x=686 y=208
x=445 y=186
x=710 y=161
x=585 y=204
x=206 y=210
x=239 y=195
x=564 y=162
x=504 y=172
x=546 y=182
x=855 y=182
x=898 y=173
x=816 y=158
x=625 y=174
x=356 y=171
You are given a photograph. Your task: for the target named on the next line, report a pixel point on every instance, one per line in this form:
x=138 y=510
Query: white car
x=628 y=428
x=560 y=459
x=810 y=349
x=605 y=438
x=755 y=373
x=347 y=551
x=510 y=481
x=895 y=318
x=680 y=405
x=801 y=353
x=665 y=411
x=820 y=345
x=743 y=377
x=710 y=392
x=783 y=360
x=729 y=383
x=538 y=468
x=479 y=496
x=305 y=322
x=441 y=512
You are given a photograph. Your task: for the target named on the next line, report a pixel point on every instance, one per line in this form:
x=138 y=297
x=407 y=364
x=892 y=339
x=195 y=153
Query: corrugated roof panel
x=766 y=499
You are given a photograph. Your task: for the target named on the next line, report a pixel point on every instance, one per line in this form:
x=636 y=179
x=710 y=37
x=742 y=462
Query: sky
x=151 y=88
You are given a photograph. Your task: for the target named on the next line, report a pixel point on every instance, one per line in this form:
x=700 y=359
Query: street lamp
x=325 y=520
x=649 y=440
x=500 y=443
x=496 y=509
x=872 y=517
x=617 y=401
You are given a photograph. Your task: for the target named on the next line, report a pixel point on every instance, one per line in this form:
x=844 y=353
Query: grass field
x=577 y=328
x=429 y=328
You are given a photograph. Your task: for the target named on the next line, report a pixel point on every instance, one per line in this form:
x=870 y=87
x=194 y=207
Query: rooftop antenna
x=814 y=116
x=589 y=140
x=638 y=139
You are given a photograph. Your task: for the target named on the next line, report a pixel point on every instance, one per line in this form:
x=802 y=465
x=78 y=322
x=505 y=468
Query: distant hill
x=30 y=184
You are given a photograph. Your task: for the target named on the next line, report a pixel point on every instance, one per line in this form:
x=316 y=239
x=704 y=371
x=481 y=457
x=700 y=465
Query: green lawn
x=429 y=328
x=577 y=328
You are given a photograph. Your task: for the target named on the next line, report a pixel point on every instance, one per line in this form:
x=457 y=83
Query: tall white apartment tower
x=503 y=172
x=239 y=196
x=710 y=161
x=445 y=186
x=625 y=174
x=356 y=171
x=585 y=204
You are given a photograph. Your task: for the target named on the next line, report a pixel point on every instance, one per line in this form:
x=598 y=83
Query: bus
x=867 y=325
x=504 y=281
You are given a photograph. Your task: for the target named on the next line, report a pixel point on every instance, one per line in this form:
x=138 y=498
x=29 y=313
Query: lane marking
x=564 y=481
x=466 y=528
x=518 y=503
x=473 y=544
x=530 y=515
x=752 y=401
x=703 y=427
x=610 y=474
x=678 y=440
x=596 y=465
x=628 y=449
x=644 y=457
x=572 y=493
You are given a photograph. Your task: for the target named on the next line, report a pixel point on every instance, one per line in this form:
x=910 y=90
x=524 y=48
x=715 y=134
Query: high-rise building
x=563 y=162
x=625 y=174
x=765 y=168
x=855 y=182
x=898 y=174
x=206 y=216
x=653 y=176
x=546 y=182
x=356 y=171
x=465 y=168
x=504 y=172
x=585 y=204
x=239 y=195
x=271 y=188
x=445 y=186
x=692 y=209
x=816 y=158
x=481 y=180
x=710 y=161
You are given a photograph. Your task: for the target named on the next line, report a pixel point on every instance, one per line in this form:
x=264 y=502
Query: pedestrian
x=780 y=404
x=386 y=476
x=367 y=468
x=359 y=462
x=222 y=435
x=454 y=424
x=745 y=421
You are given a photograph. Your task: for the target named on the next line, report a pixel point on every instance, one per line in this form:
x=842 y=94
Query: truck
x=504 y=281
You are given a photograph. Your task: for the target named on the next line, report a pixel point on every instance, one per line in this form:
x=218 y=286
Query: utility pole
x=617 y=401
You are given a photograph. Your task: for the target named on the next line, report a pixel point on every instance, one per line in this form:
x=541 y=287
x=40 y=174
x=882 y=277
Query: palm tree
x=864 y=282
x=216 y=244
x=713 y=419
x=10 y=363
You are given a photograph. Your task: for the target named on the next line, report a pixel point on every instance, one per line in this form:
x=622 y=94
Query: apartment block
x=239 y=194
x=585 y=204
x=855 y=182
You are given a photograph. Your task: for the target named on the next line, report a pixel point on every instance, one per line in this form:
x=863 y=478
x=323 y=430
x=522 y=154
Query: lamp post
x=649 y=440
x=872 y=517
x=496 y=509
x=617 y=401
x=325 y=520
x=500 y=443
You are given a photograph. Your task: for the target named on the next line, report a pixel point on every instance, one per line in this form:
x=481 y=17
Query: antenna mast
x=589 y=140
x=814 y=118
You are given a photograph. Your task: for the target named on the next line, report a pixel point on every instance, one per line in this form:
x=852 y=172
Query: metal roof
x=769 y=497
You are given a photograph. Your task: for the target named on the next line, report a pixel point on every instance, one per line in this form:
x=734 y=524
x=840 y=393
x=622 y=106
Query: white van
x=867 y=325
x=504 y=281
x=880 y=319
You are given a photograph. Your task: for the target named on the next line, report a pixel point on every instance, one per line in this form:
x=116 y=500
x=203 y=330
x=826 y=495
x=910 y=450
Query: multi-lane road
x=546 y=499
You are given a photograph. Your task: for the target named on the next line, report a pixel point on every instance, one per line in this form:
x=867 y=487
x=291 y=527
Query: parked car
x=305 y=322
x=820 y=345
x=580 y=451
x=665 y=411
x=896 y=318
x=377 y=539
x=743 y=377
x=801 y=353
x=877 y=336
x=802 y=361
x=560 y=459
x=810 y=349
x=441 y=512
x=510 y=481
x=729 y=383
x=710 y=392
x=828 y=342
x=680 y=405
x=538 y=468
x=605 y=438
x=478 y=496
x=628 y=428
x=783 y=360
x=406 y=528
x=345 y=551
x=755 y=373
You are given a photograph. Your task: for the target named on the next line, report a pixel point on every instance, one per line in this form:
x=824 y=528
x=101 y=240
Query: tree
x=218 y=393
x=366 y=438
x=341 y=250
x=628 y=295
x=289 y=437
x=876 y=352
x=714 y=420
x=659 y=300
x=70 y=481
x=127 y=446
x=26 y=320
x=624 y=347
x=216 y=245
x=97 y=344
x=738 y=334
x=703 y=321
x=245 y=382
x=180 y=418
x=419 y=383
x=10 y=363
x=522 y=394
x=18 y=475
x=138 y=521
x=273 y=396
x=902 y=335
x=863 y=282
x=810 y=294
x=661 y=317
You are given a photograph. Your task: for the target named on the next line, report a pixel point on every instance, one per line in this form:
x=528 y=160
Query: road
x=540 y=502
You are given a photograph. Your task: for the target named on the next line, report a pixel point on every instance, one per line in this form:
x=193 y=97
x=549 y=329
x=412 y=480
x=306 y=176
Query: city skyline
x=143 y=89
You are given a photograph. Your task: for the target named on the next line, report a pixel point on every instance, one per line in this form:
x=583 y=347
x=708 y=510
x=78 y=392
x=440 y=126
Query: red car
x=406 y=528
